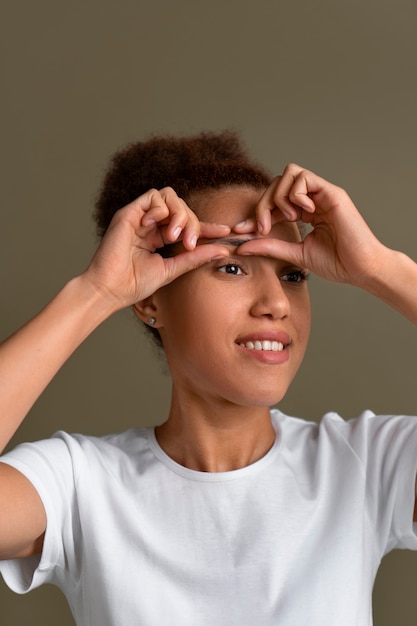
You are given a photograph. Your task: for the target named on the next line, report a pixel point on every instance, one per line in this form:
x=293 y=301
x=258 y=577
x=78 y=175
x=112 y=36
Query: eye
x=231 y=268
x=295 y=276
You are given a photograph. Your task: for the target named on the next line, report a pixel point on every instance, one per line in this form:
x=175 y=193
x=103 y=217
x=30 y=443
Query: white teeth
x=275 y=346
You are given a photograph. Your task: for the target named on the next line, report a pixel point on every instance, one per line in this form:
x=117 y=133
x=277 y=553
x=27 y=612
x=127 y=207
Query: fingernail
x=193 y=240
x=241 y=224
x=177 y=232
x=259 y=226
x=148 y=221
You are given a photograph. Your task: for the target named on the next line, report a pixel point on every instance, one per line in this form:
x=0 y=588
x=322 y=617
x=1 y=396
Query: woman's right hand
x=127 y=268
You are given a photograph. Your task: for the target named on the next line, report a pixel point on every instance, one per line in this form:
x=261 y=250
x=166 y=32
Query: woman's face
x=214 y=320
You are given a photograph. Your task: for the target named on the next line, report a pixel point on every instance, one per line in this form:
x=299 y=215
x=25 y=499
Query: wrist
x=394 y=281
x=381 y=277
x=89 y=300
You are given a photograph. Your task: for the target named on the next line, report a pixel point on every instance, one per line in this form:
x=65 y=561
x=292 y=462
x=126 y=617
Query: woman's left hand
x=340 y=246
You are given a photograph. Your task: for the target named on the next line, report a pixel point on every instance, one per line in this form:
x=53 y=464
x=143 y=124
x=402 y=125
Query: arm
x=396 y=283
x=31 y=357
x=125 y=270
x=340 y=246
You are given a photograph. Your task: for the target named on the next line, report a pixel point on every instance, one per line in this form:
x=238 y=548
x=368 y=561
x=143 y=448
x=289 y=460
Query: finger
x=305 y=183
x=213 y=231
x=265 y=206
x=206 y=230
x=289 y=194
x=247 y=226
x=191 y=231
x=192 y=259
x=274 y=248
x=182 y=221
x=269 y=211
x=300 y=184
x=251 y=225
x=171 y=214
x=153 y=206
x=136 y=213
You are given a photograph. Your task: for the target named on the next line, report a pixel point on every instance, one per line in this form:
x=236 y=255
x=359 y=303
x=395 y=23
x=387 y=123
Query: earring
x=151 y=320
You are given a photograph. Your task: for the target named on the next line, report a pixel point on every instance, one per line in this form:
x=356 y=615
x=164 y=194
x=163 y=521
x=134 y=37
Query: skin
x=218 y=420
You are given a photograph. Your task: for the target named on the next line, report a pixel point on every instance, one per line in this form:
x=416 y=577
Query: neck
x=213 y=435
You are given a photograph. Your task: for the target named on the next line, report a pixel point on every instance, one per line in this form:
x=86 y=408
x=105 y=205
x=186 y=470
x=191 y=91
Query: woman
x=226 y=513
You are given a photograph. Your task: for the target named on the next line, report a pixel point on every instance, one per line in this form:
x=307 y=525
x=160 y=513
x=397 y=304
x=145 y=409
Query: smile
x=266 y=345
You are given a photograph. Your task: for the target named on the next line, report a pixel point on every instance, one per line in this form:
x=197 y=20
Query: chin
x=262 y=399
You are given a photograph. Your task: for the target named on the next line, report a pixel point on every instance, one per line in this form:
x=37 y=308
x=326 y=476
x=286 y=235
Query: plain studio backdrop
x=329 y=84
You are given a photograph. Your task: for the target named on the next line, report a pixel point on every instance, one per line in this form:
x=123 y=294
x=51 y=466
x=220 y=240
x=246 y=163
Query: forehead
x=224 y=205
x=232 y=205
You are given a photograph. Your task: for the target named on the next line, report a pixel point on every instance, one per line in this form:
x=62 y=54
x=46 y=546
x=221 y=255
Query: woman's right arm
x=124 y=270
x=31 y=357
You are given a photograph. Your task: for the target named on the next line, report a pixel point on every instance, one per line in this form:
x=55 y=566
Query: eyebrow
x=235 y=242
x=229 y=241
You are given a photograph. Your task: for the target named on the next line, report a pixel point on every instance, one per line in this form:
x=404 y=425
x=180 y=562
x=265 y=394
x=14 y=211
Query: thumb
x=275 y=248
x=192 y=259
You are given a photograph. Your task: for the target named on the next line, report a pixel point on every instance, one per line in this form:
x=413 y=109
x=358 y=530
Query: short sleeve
x=387 y=447
x=49 y=466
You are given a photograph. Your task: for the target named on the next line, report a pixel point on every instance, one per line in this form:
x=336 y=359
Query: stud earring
x=151 y=320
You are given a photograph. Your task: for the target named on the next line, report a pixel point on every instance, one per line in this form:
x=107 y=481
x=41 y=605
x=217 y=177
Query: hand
x=340 y=246
x=127 y=267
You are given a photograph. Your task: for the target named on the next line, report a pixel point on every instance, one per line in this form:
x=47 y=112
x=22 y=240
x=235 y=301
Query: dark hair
x=187 y=164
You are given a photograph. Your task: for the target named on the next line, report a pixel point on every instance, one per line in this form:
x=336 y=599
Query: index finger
x=269 y=210
x=287 y=196
x=291 y=251
x=210 y=230
x=265 y=215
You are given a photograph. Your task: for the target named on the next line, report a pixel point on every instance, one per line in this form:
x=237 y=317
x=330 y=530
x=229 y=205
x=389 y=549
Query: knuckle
x=168 y=192
x=124 y=213
x=291 y=168
x=296 y=171
x=152 y=193
x=151 y=198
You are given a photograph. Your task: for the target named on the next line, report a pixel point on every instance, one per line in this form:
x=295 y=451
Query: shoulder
x=70 y=455
x=367 y=434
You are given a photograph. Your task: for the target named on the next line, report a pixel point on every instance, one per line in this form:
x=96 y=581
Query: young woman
x=227 y=513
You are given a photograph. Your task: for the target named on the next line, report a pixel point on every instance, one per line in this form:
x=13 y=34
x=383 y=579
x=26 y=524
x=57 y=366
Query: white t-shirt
x=296 y=538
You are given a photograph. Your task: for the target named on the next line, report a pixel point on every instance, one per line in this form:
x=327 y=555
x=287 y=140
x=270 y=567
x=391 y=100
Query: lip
x=266 y=356
x=271 y=335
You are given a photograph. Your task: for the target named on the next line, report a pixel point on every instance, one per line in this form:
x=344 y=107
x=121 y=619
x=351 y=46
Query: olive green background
x=329 y=84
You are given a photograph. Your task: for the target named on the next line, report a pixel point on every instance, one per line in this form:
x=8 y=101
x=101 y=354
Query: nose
x=270 y=298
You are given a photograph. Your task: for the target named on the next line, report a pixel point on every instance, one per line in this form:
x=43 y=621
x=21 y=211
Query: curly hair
x=187 y=164
x=190 y=164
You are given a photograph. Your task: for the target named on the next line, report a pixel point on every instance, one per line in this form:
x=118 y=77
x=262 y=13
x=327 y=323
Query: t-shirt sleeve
x=387 y=447
x=49 y=466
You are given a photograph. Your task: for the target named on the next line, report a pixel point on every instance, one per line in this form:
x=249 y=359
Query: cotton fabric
x=296 y=538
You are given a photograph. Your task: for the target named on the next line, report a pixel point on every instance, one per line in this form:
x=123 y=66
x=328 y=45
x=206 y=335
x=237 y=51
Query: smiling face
x=236 y=328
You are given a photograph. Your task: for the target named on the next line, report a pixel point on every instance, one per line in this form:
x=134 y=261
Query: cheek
x=301 y=311
x=181 y=310
x=195 y=319
x=304 y=317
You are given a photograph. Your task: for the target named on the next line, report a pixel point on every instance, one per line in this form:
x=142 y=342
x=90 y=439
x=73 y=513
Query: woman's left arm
x=396 y=283
x=340 y=246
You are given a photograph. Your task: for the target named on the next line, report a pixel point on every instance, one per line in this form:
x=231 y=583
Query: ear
x=147 y=310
